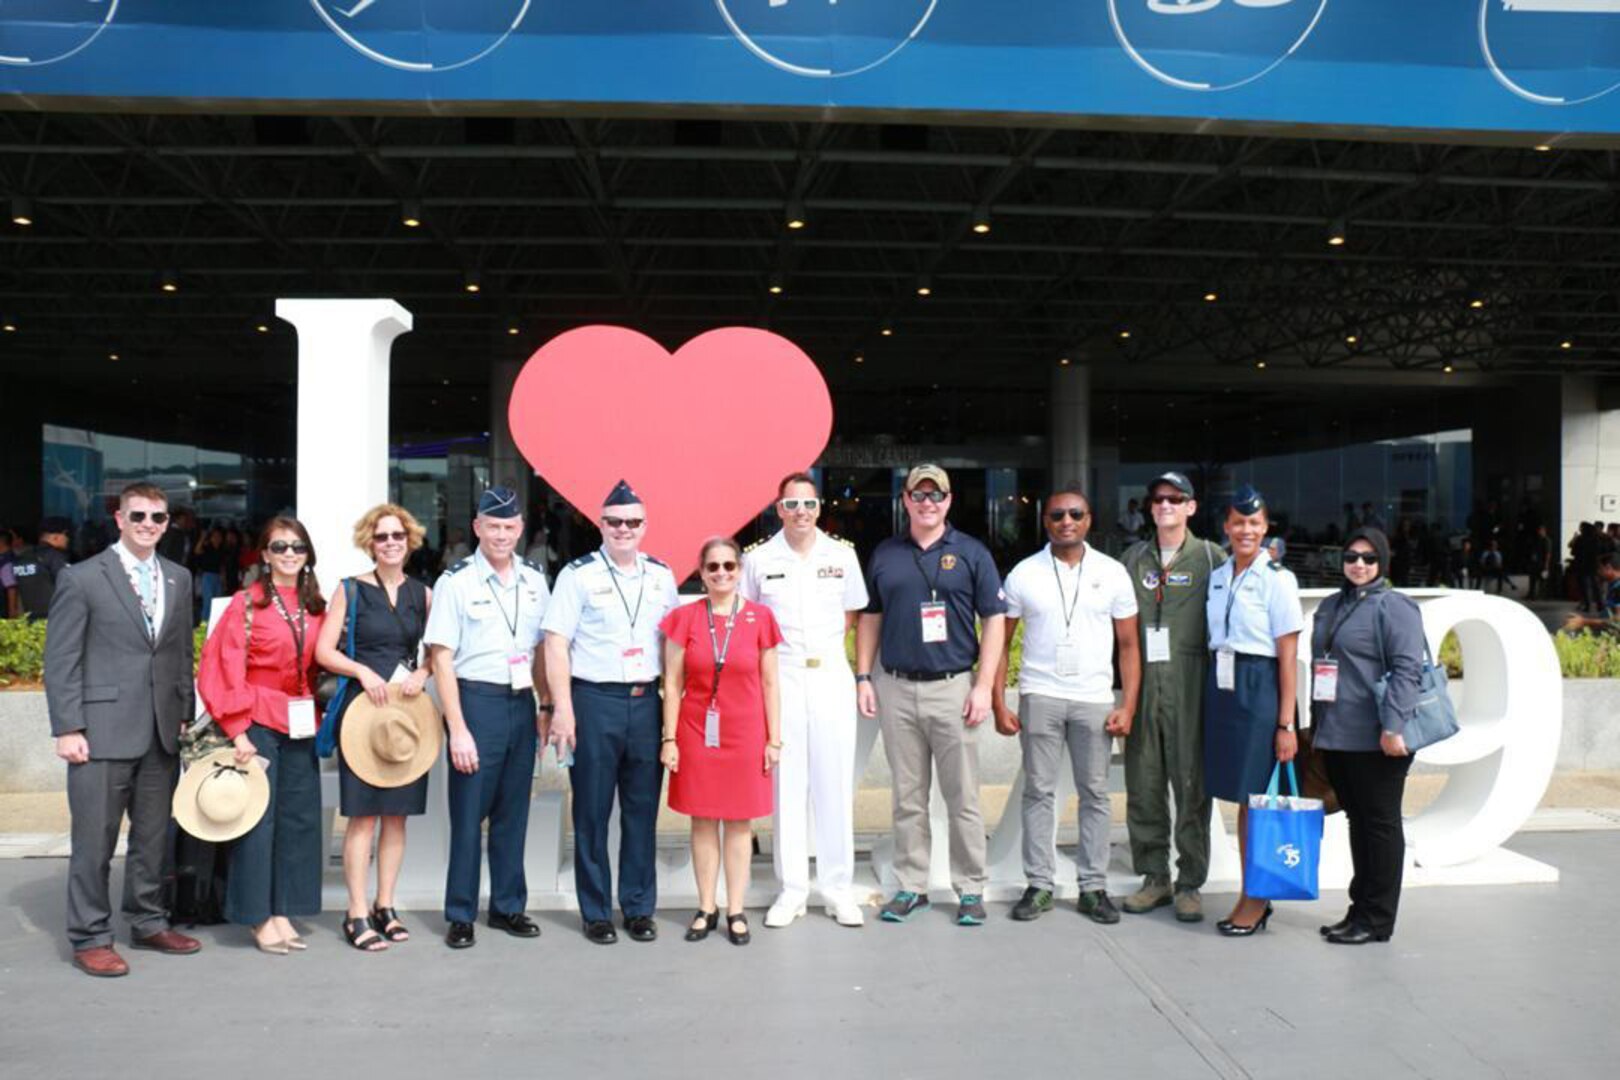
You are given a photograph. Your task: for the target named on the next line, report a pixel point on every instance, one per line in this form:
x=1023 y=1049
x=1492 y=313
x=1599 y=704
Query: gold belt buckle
x=812 y=661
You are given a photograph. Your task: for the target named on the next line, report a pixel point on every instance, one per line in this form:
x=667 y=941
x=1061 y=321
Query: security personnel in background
x=35 y=570
x=928 y=587
x=812 y=583
x=1164 y=754
x=604 y=655
x=484 y=632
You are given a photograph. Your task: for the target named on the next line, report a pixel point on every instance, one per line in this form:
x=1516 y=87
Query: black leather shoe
x=519 y=925
x=601 y=933
x=1337 y=928
x=1228 y=928
x=460 y=935
x=1356 y=935
x=641 y=928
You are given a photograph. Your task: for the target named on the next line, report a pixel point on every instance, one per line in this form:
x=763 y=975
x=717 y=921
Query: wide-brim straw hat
x=395 y=744
x=217 y=799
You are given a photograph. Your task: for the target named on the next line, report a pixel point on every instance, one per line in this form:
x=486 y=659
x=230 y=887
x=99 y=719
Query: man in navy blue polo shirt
x=928 y=587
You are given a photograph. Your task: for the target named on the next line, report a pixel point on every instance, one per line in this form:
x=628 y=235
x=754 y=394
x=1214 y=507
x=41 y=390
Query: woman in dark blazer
x=1366 y=758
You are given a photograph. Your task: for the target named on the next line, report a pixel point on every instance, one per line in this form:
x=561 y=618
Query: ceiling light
x=925 y=285
x=410 y=214
x=1063 y=361
x=1210 y=298
x=113 y=357
x=169 y=282
x=795 y=214
x=8 y=326
x=1542 y=148
x=1447 y=369
x=1124 y=335
x=470 y=282
x=262 y=328
x=860 y=358
x=1566 y=344
x=776 y=285
x=1336 y=233
x=1351 y=339
x=1260 y=365
x=512 y=331
x=981 y=219
x=22 y=211
x=1476 y=303
x=886 y=330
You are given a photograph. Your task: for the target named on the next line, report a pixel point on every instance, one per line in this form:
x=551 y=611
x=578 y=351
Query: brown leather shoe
x=102 y=961
x=167 y=941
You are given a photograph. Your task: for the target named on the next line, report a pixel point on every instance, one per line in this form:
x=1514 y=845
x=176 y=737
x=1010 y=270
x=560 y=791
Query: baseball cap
x=56 y=525
x=1176 y=480
x=939 y=476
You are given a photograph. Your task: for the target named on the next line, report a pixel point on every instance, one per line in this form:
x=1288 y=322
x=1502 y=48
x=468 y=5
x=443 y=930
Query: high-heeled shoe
x=703 y=924
x=1228 y=928
x=274 y=948
x=738 y=937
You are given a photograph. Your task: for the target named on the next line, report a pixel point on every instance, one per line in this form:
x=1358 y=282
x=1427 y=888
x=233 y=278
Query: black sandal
x=385 y=920
x=703 y=924
x=742 y=938
x=356 y=929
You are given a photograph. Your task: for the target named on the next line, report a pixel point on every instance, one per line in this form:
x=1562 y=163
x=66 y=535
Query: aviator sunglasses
x=935 y=496
x=799 y=504
x=1366 y=558
x=1173 y=500
x=716 y=567
x=1073 y=513
x=384 y=537
x=281 y=547
x=623 y=523
x=138 y=516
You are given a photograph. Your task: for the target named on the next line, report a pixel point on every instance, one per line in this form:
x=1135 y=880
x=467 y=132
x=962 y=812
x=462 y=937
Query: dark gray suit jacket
x=104 y=675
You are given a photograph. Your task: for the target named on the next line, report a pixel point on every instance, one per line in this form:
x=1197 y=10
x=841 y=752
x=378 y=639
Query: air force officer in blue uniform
x=484 y=631
x=604 y=656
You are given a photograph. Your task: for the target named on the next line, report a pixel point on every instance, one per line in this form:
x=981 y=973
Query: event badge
x=520 y=670
x=1325 y=680
x=711 y=726
x=1158 y=645
x=301 y=718
x=933 y=623
x=637 y=668
x=1225 y=668
x=1068 y=659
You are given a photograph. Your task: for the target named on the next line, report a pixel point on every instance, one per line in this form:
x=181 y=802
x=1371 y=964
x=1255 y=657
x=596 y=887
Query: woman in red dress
x=257 y=678
x=722 y=733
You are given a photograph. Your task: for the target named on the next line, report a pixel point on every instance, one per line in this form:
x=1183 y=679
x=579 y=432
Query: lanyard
x=517 y=602
x=1231 y=597
x=933 y=586
x=641 y=591
x=1068 y=612
x=1164 y=572
x=298 y=629
x=721 y=651
x=1345 y=611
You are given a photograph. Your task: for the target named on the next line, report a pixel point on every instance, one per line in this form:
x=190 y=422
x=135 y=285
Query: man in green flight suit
x=1164 y=754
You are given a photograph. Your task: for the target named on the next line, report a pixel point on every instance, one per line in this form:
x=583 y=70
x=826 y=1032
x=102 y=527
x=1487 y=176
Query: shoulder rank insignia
x=583 y=560
x=458 y=566
x=657 y=561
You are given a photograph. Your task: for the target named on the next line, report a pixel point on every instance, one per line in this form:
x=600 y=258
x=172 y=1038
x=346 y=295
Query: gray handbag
x=1435 y=719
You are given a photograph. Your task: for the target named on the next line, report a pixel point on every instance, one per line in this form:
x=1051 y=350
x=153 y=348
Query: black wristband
x=863 y=678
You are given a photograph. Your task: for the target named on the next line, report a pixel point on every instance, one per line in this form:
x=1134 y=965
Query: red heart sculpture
x=703 y=436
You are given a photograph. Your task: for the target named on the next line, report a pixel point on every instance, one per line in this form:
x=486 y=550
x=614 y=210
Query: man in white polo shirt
x=1076 y=604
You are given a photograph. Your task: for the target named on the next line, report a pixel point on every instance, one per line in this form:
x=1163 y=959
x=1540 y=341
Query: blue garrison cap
x=499 y=502
x=1248 y=500
x=622 y=495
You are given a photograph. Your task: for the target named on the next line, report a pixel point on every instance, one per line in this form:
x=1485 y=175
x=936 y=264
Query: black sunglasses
x=715 y=567
x=1366 y=558
x=158 y=517
x=281 y=547
x=1073 y=513
x=935 y=496
x=1173 y=500
x=384 y=537
x=623 y=523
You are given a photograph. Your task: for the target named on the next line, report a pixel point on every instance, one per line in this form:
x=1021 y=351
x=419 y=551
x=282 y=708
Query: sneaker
x=788 y=906
x=1096 y=906
x=1154 y=893
x=1033 y=904
x=970 y=912
x=1189 y=906
x=904 y=906
x=846 y=911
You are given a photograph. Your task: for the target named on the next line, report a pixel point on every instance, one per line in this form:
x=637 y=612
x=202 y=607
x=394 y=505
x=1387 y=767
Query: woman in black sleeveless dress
x=390 y=614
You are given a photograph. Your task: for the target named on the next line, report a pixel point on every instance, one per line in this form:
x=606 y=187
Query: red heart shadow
x=703 y=436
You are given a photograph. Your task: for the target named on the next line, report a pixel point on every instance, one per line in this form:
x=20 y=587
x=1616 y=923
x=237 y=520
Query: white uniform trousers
x=817 y=770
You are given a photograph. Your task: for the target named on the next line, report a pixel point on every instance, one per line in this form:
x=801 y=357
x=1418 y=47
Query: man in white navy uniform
x=604 y=655
x=1077 y=606
x=812 y=583
x=484 y=633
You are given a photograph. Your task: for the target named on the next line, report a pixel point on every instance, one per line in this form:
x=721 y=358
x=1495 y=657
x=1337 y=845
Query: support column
x=343 y=382
x=506 y=464
x=1590 y=481
x=1071 y=427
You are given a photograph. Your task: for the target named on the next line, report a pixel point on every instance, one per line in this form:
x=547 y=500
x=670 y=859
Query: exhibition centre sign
x=1485 y=65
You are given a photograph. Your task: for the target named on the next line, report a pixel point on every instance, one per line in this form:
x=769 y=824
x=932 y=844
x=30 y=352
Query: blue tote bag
x=1284 y=848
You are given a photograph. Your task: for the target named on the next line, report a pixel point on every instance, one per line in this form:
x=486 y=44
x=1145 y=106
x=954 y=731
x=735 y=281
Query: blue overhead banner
x=1480 y=65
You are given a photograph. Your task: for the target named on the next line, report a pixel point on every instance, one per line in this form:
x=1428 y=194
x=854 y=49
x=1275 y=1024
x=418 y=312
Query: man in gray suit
x=118 y=684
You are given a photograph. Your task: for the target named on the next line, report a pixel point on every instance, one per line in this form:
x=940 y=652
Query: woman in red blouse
x=257 y=678
x=722 y=731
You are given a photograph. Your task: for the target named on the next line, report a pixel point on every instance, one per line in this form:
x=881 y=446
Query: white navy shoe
x=846 y=911
x=784 y=910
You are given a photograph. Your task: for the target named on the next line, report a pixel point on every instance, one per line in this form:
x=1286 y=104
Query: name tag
x=637 y=665
x=1325 y=680
x=1068 y=659
x=301 y=717
x=1225 y=669
x=520 y=671
x=711 y=726
x=1158 y=644
x=478 y=609
x=934 y=627
x=599 y=598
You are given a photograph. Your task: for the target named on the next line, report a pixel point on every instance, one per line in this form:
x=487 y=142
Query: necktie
x=143 y=571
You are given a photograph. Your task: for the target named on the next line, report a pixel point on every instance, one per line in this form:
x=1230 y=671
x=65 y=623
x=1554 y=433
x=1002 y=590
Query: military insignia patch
x=947 y=562
x=830 y=572
x=1150 y=579
x=1180 y=579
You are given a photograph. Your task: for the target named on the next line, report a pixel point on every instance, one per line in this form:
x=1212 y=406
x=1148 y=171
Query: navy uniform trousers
x=616 y=752
x=502 y=723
